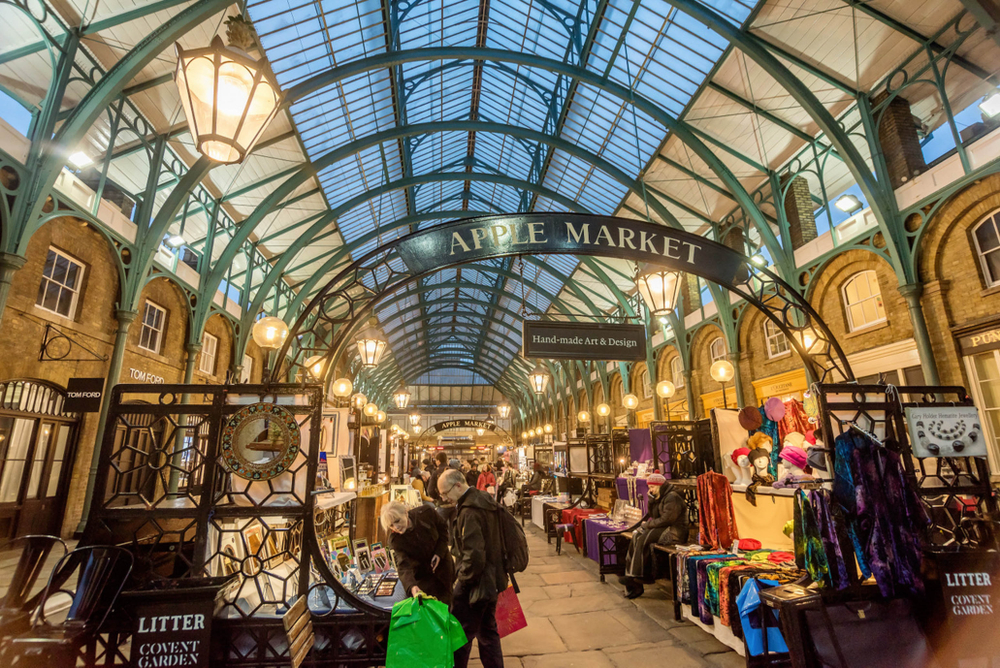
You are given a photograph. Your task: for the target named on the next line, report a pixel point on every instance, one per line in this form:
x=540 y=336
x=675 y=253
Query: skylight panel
x=527 y=27
x=442 y=151
x=510 y=99
x=507 y=153
x=437 y=94
x=439 y=23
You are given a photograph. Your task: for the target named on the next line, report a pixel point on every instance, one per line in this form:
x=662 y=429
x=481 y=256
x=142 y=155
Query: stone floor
x=576 y=621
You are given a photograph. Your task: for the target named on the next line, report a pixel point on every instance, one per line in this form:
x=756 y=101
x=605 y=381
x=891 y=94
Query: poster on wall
x=970 y=588
x=176 y=633
x=945 y=431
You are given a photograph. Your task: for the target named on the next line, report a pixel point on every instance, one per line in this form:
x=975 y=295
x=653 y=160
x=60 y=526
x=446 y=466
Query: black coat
x=432 y=482
x=669 y=511
x=480 y=575
x=414 y=548
x=471 y=477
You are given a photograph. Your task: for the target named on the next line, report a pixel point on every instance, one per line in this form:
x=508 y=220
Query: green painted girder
x=987 y=14
x=881 y=203
x=46 y=168
x=683 y=132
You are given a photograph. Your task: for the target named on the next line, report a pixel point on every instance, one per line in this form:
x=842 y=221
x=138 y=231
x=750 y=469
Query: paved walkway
x=575 y=620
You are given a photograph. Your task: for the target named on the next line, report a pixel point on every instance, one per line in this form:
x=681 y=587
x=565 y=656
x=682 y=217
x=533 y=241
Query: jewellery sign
x=577 y=234
x=583 y=341
x=945 y=431
x=175 y=634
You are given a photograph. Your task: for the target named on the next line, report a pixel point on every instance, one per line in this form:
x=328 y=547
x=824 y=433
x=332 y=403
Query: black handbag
x=868 y=634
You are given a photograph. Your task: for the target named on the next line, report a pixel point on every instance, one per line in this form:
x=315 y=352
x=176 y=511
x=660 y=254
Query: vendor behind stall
x=667 y=524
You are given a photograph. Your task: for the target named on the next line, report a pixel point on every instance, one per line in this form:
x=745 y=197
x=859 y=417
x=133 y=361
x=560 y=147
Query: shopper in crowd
x=419 y=483
x=428 y=465
x=480 y=574
x=472 y=474
x=453 y=463
x=419 y=538
x=535 y=483
x=487 y=482
x=432 y=488
x=667 y=524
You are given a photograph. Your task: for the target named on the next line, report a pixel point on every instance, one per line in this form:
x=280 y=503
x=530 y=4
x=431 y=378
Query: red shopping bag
x=510 y=616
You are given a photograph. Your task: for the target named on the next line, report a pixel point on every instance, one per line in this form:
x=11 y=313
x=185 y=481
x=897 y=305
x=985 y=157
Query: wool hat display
x=749 y=418
x=795 y=456
x=739 y=452
x=655 y=478
x=759 y=440
x=794 y=438
x=747 y=544
x=774 y=409
x=757 y=453
x=816 y=458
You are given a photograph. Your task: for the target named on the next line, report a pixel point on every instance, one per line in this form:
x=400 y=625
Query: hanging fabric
x=716 y=516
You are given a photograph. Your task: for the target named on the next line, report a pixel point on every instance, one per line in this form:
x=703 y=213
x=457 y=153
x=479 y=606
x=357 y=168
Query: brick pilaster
x=799 y=212
x=897 y=135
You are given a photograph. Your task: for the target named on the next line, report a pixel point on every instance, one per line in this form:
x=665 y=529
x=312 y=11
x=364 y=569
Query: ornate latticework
x=957 y=490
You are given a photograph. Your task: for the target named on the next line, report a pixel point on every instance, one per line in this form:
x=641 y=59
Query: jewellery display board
x=687 y=445
x=946 y=484
x=171 y=501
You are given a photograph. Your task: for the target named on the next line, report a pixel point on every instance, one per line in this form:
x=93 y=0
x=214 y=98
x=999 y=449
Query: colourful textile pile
x=716 y=517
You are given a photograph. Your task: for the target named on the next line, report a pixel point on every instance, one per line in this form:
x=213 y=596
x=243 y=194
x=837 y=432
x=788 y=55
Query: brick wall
x=897 y=134
x=701 y=361
x=799 y=212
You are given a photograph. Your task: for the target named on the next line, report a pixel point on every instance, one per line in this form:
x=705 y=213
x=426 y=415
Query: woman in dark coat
x=667 y=524
x=419 y=538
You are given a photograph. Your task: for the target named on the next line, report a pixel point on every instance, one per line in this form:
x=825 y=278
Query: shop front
x=980 y=348
x=37 y=439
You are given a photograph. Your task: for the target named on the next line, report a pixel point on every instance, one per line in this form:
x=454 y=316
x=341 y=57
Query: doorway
x=37 y=441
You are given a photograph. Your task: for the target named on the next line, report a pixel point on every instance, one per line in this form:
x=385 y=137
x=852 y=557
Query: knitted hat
x=757 y=453
x=774 y=409
x=794 y=438
x=749 y=418
x=817 y=458
x=655 y=478
x=795 y=456
x=739 y=452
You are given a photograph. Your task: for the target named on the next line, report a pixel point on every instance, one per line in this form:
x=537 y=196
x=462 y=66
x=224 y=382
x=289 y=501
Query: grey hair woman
x=419 y=539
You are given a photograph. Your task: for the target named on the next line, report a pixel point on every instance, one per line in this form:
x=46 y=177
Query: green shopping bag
x=423 y=633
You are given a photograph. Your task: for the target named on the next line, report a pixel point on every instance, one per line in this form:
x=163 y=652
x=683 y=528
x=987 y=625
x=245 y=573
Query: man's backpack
x=514 y=544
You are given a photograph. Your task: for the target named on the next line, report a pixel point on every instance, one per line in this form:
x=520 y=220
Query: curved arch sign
x=462 y=424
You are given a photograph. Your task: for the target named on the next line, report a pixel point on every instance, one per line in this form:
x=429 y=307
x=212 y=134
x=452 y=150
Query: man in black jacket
x=480 y=574
x=432 y=487
x=667 y=524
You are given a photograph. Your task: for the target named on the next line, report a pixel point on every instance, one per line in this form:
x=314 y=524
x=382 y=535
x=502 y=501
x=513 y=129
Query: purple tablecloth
x=592 y=527
x=641 y=491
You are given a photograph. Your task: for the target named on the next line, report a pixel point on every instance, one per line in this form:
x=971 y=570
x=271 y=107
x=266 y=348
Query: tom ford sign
x=480 y=238
x=583 y=341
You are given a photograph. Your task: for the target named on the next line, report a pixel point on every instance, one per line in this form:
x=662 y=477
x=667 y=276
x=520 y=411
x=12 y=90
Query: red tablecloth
x=575 y=516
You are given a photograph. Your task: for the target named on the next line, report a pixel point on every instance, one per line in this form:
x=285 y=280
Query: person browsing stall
x=432 y=488
x=480 y=574
x=667 y=524
x=419 y=538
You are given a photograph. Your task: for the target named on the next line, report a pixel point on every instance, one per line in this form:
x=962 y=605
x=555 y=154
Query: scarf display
x=795 y=419
x=883 y=512
x=770 y=427
x=810 y=552
x=716 y=516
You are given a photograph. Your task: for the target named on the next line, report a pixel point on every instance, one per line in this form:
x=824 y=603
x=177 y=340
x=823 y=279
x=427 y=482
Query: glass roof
x=652 y=48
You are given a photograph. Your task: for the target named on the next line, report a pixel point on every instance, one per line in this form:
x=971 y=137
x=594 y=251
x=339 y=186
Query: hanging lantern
x=371 y=345
x=402 y=397
x=359 y=400
x=660 y=289
x=480 y=431
x=342 y=388
x=603 y=410
x=270 y=332
x=314 y=365
x=414 y=419
x=539 y=378
x=665 y=389
x=228 y=97
x=504 y=410
x=583 y=416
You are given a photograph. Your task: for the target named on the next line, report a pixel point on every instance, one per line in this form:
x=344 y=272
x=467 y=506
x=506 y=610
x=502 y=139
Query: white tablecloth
x=537 y=509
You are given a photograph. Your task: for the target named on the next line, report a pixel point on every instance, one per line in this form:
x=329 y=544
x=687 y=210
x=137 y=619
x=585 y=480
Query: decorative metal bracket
x=57 y=346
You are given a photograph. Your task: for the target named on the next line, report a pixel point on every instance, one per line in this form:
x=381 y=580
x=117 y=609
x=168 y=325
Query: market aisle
x=575 y=620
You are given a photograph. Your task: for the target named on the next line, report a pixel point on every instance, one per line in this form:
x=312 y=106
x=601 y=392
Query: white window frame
x=246 y=372
x=869 y=275
x=647 y=391
x=146 y=326
x=716 y=355
x=773 y=334
x=991 y=219
x=208 y=357
x=75 y=290
x=677 y=371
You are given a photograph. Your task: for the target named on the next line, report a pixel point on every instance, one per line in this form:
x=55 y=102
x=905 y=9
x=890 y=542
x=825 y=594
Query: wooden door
x=45 y=495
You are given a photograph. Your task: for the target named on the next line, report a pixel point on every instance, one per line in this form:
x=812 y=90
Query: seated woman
x=419 y=538
x=667 y=524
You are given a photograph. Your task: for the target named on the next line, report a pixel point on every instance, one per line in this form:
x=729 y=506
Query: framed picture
x=362 y=555
x=342 y=552
x=348 y=473
x=380 y=560
x=945 y=431
x=400 y=493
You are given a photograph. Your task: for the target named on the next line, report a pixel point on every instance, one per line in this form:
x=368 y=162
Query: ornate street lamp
x=630 y=402
x=228 y=97
x=480 y=431
x=371 y=345
x=583 y=416
x=359 y=400
x=603 y=410
x=665 y=389
x=380 y=417
x=660 y=289
x=342 y=388
x=269 y=333
x=370 y=409
x=539 y=378
x=402 y=397
x=504 y=409
x=722 y=371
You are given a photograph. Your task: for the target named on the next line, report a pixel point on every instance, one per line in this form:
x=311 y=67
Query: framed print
x=342 y=551
x=362 y=555
x=348 y=473
x=945 y=431
x=400 y=493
